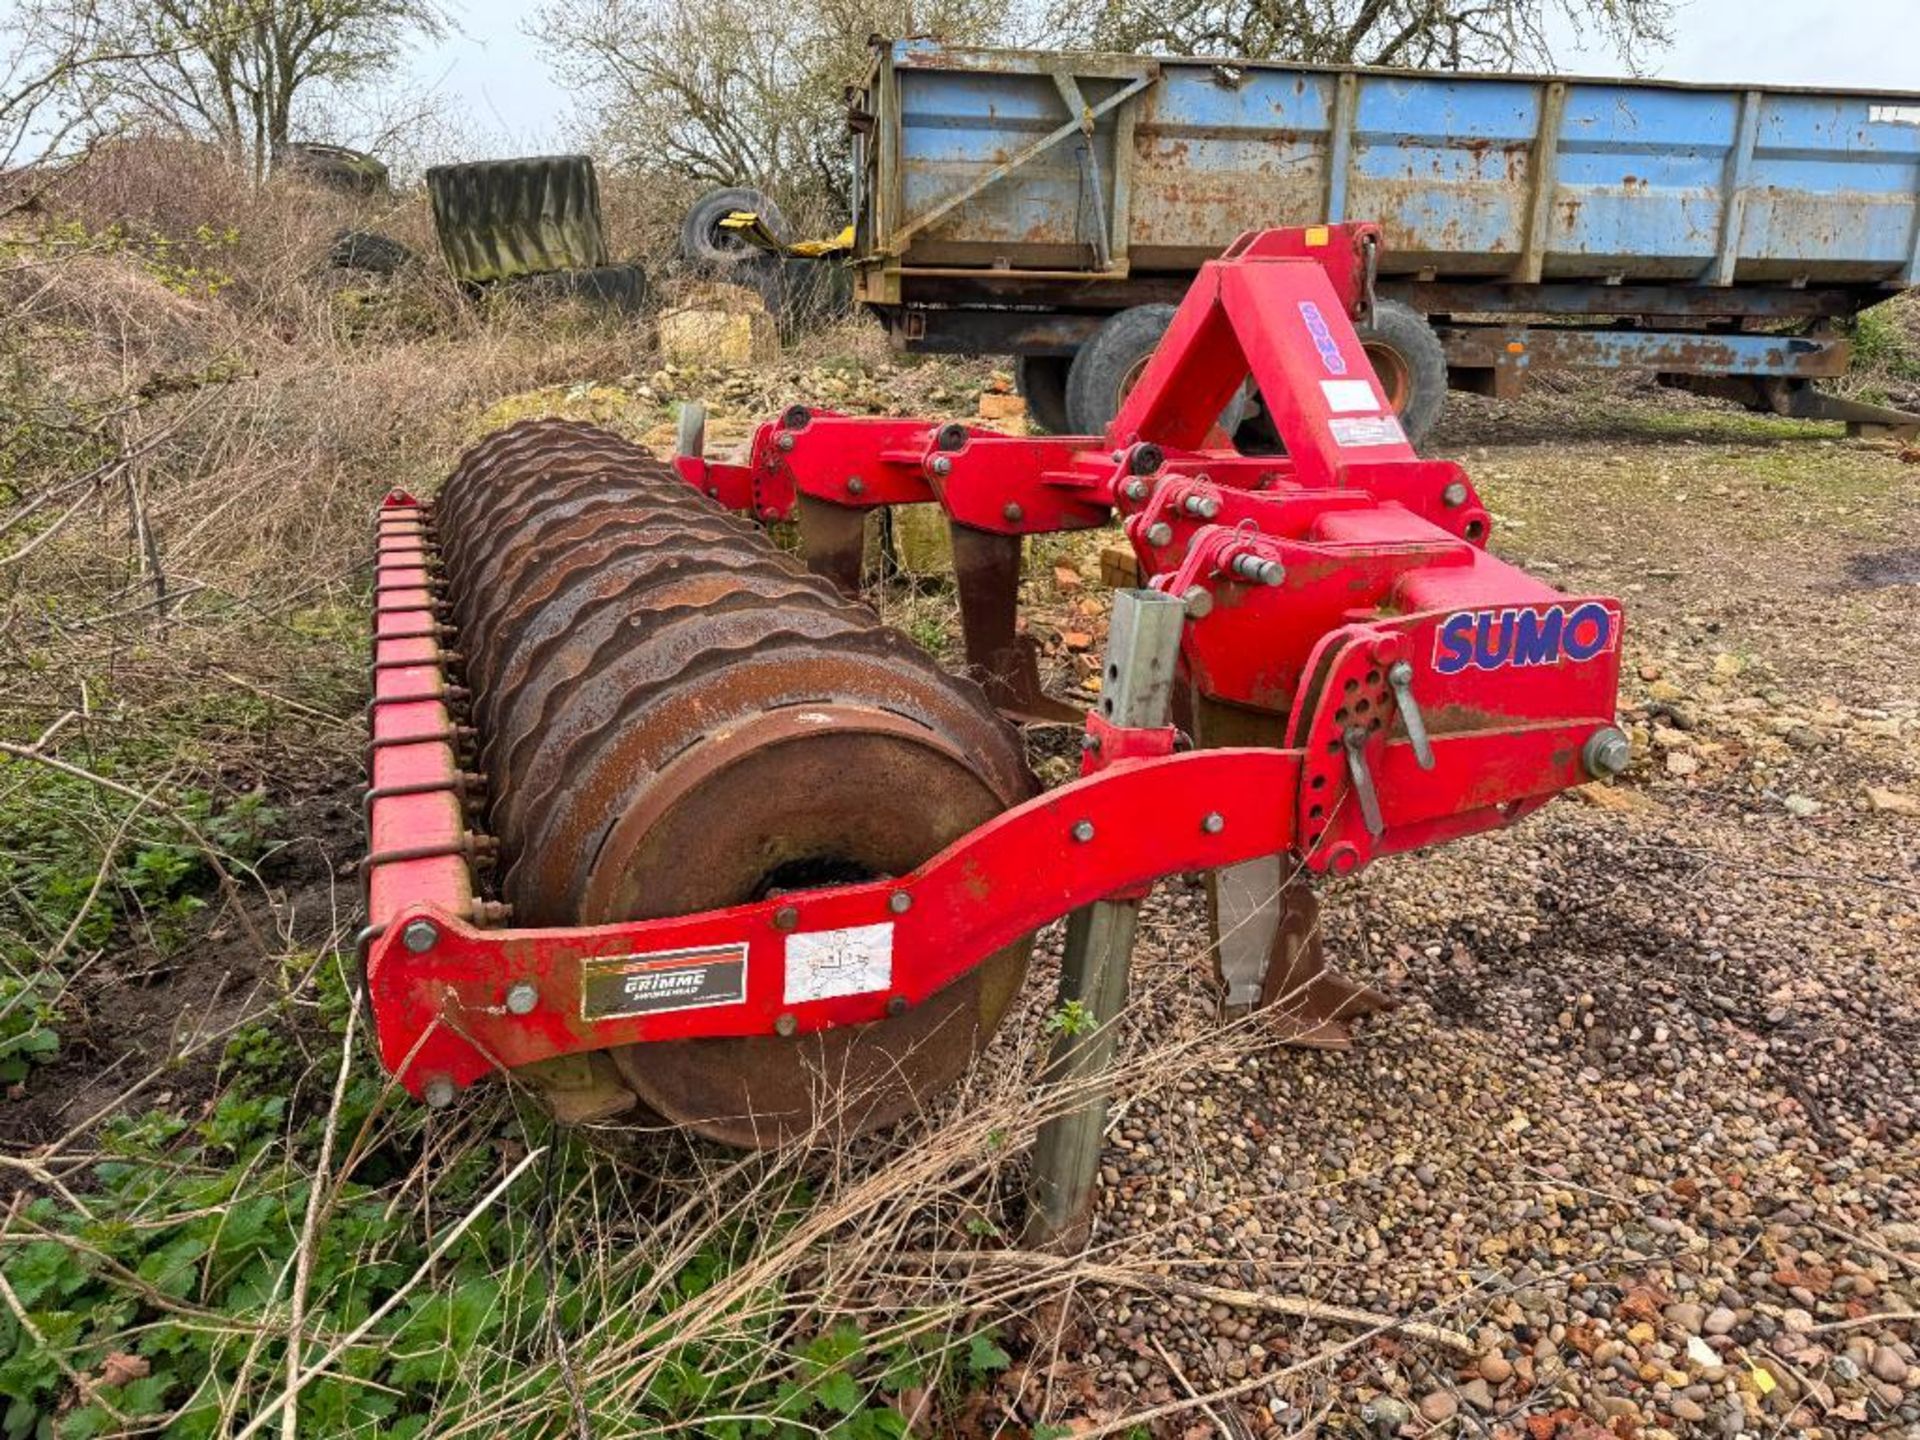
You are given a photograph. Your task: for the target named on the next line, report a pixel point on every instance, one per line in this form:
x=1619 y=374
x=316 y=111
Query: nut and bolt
x=1606 y=753
x=1400 y=673
x=856 y=486
x=1089 y=744
x=1199 y=602
x=940 y=465
x=1204 y=507
x=1011 y=512
x=785 y=440
x=786 y=1026
x=1159 y=533
x=1082 y=831
x=1455 y=495
x=1214 y=823
x=1146 y=459
x=420 y=936
x=438 y=1092
x=786 y=918
x=1136 y=490
x=521 y=998
x=1259 y=570
x=899 y=902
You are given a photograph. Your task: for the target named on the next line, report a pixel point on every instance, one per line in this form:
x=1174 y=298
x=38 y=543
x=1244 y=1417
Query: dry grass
x=198 y=424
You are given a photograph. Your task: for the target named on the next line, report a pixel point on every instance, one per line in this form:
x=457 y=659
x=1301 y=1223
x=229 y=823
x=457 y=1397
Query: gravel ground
x=1647 y=1124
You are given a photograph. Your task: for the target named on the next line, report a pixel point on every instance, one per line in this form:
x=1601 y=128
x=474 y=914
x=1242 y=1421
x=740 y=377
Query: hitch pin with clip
x=1400 y=677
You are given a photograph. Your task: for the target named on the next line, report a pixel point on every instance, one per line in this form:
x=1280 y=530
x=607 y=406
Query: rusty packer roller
x=672 y=716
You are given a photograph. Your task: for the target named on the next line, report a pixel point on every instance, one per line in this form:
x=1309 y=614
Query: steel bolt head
x=1607 y=753
x=785 y=440
x=1082 y=831
x=420 y=936
x=1159 y=533
x=1454 y=496
x=940 y=465
x=1400 y=673
x=856 y=486
x=786 y=918
x=521 y=998
x=1199 y=602
x=438 y=1093
x=1011 y=512
x=786 y=1026
x=1214 y=823
x=899 y=902
x=1136 y=490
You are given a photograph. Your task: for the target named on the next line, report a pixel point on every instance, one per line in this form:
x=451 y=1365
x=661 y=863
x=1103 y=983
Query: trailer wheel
x=1410 y=362
x=704 y=243
x=1111 y=363
x=1042 y=383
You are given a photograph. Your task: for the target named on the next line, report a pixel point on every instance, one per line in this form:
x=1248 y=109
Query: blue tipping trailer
x=1020 y=202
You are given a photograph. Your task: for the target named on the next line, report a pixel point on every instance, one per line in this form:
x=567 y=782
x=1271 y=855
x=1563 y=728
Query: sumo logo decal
x=1322 y=337
x=1516 y=637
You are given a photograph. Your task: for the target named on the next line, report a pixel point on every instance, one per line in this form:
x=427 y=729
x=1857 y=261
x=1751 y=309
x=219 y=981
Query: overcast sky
x=500 y=95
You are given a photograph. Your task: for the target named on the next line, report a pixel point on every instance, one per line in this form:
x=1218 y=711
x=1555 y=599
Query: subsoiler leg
x=987 y=573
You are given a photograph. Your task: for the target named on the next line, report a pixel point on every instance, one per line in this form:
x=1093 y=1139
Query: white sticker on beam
x=826 y=964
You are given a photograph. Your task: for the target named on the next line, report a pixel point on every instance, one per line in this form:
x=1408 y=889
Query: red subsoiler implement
x=758 y=851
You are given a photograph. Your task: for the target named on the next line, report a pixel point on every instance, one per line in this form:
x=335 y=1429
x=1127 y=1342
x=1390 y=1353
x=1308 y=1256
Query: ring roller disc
x=773 y=753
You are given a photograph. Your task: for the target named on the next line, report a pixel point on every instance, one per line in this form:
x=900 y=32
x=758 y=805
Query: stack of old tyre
x=533 y=224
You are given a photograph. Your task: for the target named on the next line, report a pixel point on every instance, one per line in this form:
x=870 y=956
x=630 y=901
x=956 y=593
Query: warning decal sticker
x=615 y=985
x=828 y=963
x=1351 y=434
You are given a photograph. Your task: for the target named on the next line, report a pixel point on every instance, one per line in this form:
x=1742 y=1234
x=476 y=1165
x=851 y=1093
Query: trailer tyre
x=1412 y=366
x=1042 y=383
x=704 y=243
x=1111 y=363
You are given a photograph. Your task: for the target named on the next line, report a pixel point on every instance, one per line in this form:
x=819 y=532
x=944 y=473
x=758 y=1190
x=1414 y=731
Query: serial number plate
x=616 y=985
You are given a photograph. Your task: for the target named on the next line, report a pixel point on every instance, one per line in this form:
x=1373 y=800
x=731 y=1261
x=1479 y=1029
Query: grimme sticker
x=1352 y=433
x=617 y=985
x=828 y=963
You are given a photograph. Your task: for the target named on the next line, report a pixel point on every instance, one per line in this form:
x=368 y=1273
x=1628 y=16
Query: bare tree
x=721 y=92
x=237 y=72
x=1420 y=34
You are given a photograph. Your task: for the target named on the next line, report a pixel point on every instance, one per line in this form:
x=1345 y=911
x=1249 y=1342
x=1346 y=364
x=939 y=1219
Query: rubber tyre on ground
x=369 y=251
x=612 y=287
x=1411 y=364
x=1042 y=383
x=500 y=218
x=704 y=244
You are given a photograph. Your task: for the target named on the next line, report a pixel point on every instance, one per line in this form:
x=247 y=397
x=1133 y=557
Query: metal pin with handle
x=1356 y=742
x=1400 y=677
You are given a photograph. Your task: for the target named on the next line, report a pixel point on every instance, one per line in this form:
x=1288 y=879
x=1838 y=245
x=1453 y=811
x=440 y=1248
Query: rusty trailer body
x=1012 y=201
